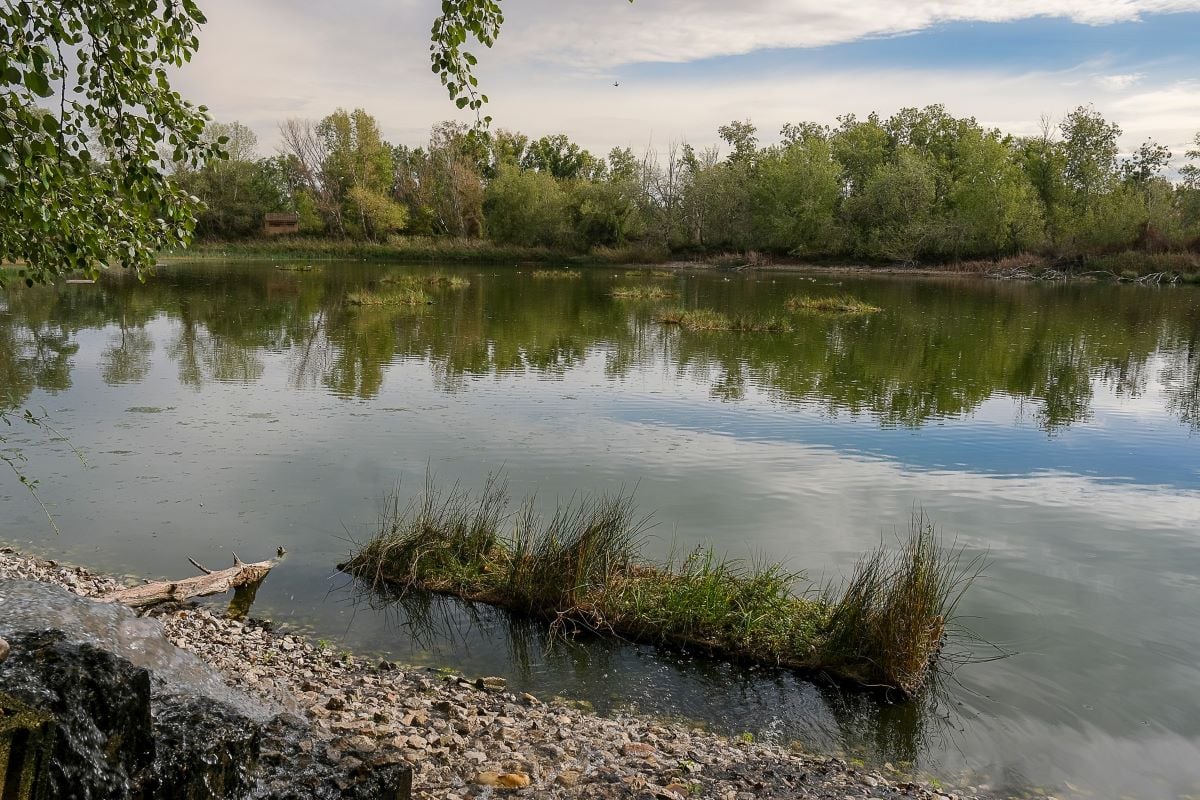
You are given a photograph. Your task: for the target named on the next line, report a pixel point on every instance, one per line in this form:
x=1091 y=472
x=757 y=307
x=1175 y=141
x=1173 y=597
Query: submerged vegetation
x=704 y=319
x=433 y=279
x=582 y=569
x=404 y=296
x=839 y=304
x=556 y=274
x=649 y=293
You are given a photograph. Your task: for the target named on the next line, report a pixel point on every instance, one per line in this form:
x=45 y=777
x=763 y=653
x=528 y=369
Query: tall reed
x=581 y=569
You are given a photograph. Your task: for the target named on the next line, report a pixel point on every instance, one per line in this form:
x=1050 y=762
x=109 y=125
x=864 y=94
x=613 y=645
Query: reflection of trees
x=126 y=359
x=1182 y=378
x=35 y=348
x=935 y=350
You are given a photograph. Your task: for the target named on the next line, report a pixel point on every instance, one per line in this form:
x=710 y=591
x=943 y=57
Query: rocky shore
x=472 y=738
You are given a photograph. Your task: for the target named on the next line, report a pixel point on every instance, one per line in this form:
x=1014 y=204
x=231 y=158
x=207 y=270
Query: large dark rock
x=205 y=749
x=79 y=720
x=26 y=747
x=103 y=740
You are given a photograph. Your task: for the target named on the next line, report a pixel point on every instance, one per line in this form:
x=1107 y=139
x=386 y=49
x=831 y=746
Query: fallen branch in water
x=240 y=576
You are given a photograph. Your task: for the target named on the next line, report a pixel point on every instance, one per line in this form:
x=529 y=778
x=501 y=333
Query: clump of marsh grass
x=642 y=293
x=653 y=274
x=571 y=562
x=838 y=304
x=435 y=279
x=402 y=296
x=556 y=274
x=890 y=617
x=441 y=541
x=581 y=569
x=704 y=319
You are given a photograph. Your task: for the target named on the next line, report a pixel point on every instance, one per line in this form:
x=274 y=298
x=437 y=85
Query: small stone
x=362 y=744
x=503 y=780
x=335 y=704
x=417 y=742
x=491 y=684
x=637 y=750
x=549 y=750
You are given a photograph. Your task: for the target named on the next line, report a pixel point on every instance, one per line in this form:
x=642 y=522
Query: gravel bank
x=473 y=738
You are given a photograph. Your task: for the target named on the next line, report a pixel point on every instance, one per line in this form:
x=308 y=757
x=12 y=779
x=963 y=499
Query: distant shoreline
x=1128 y=266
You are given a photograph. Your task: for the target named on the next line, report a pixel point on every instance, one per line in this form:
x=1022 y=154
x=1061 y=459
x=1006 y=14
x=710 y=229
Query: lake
x=1053 y=428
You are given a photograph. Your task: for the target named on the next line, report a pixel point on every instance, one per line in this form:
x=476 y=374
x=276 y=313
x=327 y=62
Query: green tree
x=527 y=208
x=742 y=138
x=795 y=197
x=86 y=104
x=562 y=158
x=894 y=214
x=1044 y=162
x=860 y=148
x=236 y=191
x=1190 y=172
x=1090 y=148
x=991 y=206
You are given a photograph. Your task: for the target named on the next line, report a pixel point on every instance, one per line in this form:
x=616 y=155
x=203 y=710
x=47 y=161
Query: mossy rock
x=26 y=745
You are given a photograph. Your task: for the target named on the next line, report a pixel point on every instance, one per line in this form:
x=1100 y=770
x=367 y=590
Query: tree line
x=921 y=185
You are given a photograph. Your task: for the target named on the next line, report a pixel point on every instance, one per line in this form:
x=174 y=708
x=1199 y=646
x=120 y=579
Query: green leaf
x=38 y=83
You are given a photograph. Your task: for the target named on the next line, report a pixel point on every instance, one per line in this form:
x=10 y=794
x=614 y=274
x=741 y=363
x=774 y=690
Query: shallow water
x=234 y=407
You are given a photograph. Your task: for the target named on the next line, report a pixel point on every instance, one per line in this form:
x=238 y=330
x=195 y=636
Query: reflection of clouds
x=1146 y=765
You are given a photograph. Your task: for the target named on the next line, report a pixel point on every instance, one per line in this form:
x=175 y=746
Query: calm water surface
x=235 y=407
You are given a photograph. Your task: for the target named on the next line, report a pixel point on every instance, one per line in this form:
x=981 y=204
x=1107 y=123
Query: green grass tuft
x=839 y=304
x=642 y=293
x=581 y=569
x=553 y=274
x=704 y=319
x=433 y=279
x=404 y=296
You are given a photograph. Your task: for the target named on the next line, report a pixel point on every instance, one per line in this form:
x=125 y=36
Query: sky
x=685 y=67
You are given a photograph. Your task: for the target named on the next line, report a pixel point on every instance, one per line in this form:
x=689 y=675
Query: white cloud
x=607 y=33
x=1118 y=82
x=265 y=61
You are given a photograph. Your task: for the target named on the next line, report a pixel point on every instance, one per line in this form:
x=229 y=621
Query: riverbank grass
x=582 y=569
x=838 y=304
x=704 y=319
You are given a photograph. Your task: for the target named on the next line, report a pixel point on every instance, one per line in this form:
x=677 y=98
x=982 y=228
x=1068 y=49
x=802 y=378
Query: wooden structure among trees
x=279 y=224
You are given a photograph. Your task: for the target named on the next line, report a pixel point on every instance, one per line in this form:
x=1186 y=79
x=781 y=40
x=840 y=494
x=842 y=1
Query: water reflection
x=938 y=350
x=236 y=407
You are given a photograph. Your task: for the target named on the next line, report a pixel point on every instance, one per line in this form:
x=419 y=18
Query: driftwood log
x=242 y=577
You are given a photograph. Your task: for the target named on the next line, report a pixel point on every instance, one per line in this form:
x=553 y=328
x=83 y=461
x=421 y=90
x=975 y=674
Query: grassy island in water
x=581 y=569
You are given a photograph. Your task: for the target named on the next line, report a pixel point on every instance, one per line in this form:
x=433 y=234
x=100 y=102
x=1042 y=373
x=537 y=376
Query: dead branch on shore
x=238 y=577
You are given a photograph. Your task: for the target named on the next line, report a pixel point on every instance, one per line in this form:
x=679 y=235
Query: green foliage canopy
x=84 y=110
